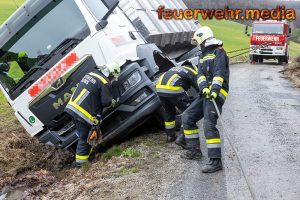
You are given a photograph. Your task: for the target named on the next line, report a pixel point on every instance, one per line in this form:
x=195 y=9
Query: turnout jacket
x=90 y=97
x=176 y=81
x=213 y=71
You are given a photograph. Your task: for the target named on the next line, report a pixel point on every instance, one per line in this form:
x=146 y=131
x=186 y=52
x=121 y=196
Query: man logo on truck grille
x=53 y=74
x=65 y=99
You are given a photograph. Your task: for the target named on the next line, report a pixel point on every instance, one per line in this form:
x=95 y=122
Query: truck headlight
x=131 y=81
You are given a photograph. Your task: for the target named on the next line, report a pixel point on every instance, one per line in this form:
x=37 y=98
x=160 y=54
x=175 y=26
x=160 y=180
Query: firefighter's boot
x=192 y=154
x=180 y=140
x=170 y=131
x=213 y=165
x=171 y=138
x=193 y=150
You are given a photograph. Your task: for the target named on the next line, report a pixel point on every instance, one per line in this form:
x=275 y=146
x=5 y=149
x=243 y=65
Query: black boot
x=171 y=138
x=180 y=140
x=213 y=165
x=192 y=154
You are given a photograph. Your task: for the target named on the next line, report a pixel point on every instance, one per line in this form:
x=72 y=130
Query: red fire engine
x=269 y=40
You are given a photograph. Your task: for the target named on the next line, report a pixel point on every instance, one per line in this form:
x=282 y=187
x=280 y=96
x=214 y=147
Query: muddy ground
x=30 y=170
x=25 y=163
x=45 y=173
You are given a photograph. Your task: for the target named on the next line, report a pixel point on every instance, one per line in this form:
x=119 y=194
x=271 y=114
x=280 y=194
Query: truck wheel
x=283 y=60
x=286 y=60
x=261 y=59
x=253 y=59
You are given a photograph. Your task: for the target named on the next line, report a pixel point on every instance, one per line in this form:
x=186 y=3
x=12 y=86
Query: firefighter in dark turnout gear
x=213 y=82
x=171 y=87
x=86 y=104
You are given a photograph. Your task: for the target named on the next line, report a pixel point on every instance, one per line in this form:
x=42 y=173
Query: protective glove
x=113 y=103
x=206 y=93
x=213 y=95
x=95 y=136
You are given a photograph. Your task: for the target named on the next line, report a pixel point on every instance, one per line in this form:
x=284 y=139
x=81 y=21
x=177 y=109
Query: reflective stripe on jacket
x=213 y=71
x=177 y=80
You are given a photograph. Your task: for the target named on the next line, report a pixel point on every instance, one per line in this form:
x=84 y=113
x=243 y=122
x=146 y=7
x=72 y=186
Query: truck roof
x=19 y=18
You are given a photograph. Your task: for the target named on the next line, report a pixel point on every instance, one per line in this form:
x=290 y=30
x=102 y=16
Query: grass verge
x=117 y=151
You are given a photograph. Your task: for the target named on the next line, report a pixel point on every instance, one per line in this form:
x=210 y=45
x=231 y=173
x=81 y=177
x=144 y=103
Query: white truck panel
x=163 y=32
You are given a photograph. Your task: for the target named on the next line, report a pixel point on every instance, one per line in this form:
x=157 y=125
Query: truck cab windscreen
x=38 y=39
x=268 y=29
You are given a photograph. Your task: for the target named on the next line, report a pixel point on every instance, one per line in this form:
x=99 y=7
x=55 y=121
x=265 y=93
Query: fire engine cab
x=269 y=40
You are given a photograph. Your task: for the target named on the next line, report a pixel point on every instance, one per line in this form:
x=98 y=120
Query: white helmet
x=111 y=69
x=202 y=34
x=114 y=69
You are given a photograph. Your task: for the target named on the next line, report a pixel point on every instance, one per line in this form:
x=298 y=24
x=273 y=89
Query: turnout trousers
x=203 y=108
x=83 y=149
x=170 y=103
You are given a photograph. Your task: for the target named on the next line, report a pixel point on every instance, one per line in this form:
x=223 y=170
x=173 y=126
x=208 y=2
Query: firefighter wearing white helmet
x=213 y=83
x=86 y=105
x=201 y=35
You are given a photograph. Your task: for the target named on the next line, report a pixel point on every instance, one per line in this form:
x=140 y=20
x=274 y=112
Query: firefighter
x=86 y=104
x=213 y=83
x=23 y=61
x=171 y=88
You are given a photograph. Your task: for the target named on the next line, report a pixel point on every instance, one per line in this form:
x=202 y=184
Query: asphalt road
x=262 y=114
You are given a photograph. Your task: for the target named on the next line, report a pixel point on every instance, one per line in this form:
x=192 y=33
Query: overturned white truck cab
x=47 y=46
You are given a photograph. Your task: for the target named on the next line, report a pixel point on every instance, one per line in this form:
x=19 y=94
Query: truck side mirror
x=111 y=5
x=101 y=25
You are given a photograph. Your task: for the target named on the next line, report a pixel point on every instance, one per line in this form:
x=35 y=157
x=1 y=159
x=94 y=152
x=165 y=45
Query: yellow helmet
x=22 y=55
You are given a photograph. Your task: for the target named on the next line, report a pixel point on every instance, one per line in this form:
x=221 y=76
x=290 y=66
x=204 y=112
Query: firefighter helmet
x=22 y=55
x=114 y=69
x=202 y=34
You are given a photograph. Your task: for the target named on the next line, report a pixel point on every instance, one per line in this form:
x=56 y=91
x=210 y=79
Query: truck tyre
x=286 y=59
x=253 y=59
x=261 y=59
x=283 y=60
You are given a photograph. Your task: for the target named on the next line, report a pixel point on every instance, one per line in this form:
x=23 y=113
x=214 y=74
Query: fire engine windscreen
x=36 y=40
x=267 y=28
